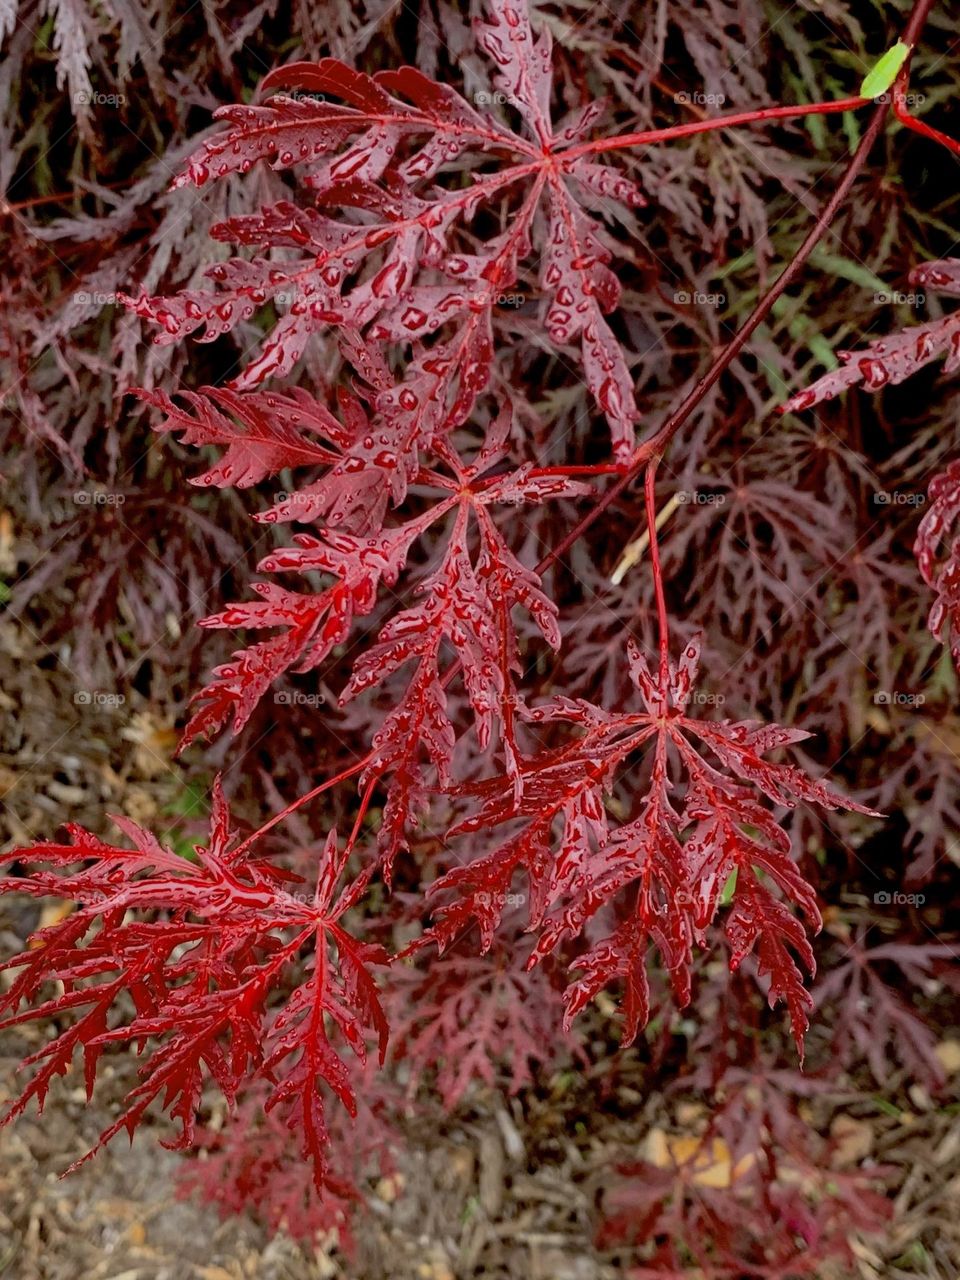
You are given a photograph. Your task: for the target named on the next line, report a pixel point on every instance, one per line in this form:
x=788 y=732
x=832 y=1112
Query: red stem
x=361 y=813
x=300 y=801
x=650 y=493
x=602 y=469
x=918 y=126
x=649 y=136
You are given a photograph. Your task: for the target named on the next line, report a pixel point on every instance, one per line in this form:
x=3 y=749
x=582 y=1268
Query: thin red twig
x=668 y=134
x=918 y=126
x=650 y=494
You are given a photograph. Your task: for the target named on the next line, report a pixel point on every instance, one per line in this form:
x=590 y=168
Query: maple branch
x=669 y=133
x=652 y=449
x=361 y=812
x=601 y=469
x=655 y=446
x=650 y=494
x=918 y=126
x=298 y=803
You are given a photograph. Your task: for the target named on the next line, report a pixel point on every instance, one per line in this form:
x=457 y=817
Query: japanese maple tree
x=424 y=590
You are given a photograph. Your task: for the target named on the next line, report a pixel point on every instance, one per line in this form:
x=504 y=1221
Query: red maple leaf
x=937 y=549
x=899 y=355
x=389 y=249
x=705 y=819
x=199 y=948
x=468 y=601
x=475 y=1019
x=875 y=1019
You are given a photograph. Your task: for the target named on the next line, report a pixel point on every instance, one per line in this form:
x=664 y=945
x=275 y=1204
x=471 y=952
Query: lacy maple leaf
x=876 y=1021
x=199 y=948
x=468 y=597
x=937 y=549
x=701 y=823
x=891 y=360
x=473 y=1018
x=390 y=251
x=896 y=357
x=248 y=1165
x=264 y=433
x=750 y=1195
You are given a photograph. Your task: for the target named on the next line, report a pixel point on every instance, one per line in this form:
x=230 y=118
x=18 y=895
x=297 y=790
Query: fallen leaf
x=948 y=1055
x=704 y=1162
x=853 y=1140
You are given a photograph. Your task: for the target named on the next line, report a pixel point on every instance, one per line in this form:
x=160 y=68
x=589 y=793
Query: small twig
x=663 y=622
x=668 y=134
x=635 y=550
